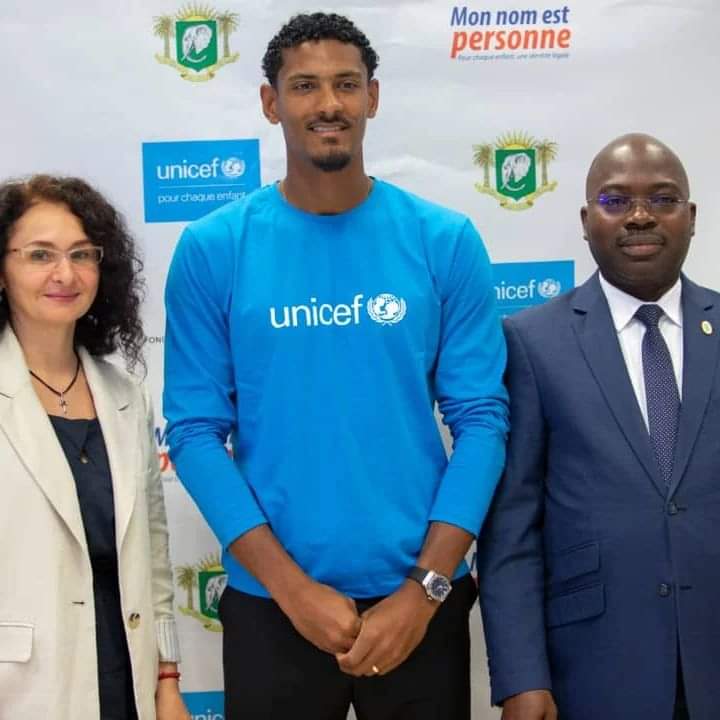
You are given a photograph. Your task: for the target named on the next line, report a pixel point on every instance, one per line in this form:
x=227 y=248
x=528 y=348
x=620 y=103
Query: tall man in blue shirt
x=318 y=321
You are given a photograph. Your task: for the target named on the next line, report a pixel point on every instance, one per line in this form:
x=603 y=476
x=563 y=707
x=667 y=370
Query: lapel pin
x=706 y=327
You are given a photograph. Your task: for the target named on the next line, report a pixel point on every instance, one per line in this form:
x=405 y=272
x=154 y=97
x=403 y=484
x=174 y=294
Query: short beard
x=333 y=162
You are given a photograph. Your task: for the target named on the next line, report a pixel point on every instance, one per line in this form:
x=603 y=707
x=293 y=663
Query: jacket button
x=672 y=509
x=134 y=621
x=663 y=590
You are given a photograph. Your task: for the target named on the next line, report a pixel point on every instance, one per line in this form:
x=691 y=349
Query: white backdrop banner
x=494 y=109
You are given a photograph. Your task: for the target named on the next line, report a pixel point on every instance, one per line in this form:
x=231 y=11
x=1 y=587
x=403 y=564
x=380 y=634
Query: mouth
x=62 y=297
x=326 y=128
x=641 y=245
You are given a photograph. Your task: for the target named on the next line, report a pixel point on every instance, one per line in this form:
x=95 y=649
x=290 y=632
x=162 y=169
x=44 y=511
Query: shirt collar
x=624 y=306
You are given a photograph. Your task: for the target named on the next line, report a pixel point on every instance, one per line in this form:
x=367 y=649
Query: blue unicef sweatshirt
x=321 y=344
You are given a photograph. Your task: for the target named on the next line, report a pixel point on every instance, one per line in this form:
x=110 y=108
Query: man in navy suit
x=600 y=563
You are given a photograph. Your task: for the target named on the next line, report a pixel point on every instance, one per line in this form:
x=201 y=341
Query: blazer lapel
x=28 y=429
x=118 y=420
x=599 y=343
x=700 y=360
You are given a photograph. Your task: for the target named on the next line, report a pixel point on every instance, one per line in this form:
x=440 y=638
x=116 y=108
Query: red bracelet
x=169 y=676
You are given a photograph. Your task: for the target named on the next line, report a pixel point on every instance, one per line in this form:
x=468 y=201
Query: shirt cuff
x=167 y=639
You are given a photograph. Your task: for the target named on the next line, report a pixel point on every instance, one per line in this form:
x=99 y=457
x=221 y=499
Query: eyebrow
x=624 y=190
x=47 y=244
x=311 y=76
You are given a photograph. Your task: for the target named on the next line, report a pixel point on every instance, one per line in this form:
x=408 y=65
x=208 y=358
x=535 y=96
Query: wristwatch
x=437 y=586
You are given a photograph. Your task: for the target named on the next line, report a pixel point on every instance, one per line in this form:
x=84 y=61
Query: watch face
x=438 y=588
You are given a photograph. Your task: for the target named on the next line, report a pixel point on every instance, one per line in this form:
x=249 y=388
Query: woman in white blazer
x=86 y=623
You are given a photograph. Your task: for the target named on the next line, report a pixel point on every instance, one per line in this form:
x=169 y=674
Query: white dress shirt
x=630 y=332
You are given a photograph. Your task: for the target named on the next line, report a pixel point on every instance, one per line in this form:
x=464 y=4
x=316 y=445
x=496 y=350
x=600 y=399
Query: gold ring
x=375 y=669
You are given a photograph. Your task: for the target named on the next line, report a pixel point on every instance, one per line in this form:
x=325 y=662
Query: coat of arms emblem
x=193 y=37
x=205 y=582
x=515 y=157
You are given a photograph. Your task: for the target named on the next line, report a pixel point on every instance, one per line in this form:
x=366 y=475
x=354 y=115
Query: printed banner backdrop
x=494 y=109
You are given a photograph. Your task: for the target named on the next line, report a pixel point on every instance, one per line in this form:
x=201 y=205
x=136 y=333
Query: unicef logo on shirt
x=549 y=288
x=233 y=167
x=386 y=309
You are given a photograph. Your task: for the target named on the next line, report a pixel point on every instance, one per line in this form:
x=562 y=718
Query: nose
x=640 y=216
x=63 y=272
x=330 y=101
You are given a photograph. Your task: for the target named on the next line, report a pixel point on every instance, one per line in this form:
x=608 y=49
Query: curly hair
x=317 y=26
x=113 y=321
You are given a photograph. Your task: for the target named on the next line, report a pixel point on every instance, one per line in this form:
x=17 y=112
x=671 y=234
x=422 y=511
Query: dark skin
x=531 y=705
x=383 y=636
x=640 y=252
x=322 y=100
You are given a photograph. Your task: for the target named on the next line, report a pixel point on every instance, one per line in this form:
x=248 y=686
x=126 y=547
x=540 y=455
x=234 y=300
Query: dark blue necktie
x=661 y=391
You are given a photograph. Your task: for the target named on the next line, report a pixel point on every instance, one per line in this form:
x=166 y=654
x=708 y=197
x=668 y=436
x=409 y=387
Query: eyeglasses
x=616 y=204
x=39 y=257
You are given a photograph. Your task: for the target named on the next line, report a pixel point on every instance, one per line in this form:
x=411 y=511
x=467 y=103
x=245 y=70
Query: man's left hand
x=390 y=631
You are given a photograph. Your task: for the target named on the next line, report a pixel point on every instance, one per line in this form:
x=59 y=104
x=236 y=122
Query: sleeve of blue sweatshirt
x=469 y=382
x=199 y=392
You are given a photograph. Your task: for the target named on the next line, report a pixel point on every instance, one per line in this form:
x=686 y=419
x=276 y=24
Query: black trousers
x=272 y=672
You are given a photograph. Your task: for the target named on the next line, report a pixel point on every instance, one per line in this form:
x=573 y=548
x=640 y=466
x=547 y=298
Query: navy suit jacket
x=592 y=573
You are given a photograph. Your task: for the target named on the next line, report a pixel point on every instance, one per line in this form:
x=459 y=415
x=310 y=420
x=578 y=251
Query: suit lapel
x=118 y=419
x=599 y=343
x=700 y=360
x=28 y=429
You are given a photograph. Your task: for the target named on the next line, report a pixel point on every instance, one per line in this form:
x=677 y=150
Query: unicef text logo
x=386 y=309
x=233 y=167
x=549 y=288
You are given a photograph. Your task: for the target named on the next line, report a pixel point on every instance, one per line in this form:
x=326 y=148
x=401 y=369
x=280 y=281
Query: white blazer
x=48 y=656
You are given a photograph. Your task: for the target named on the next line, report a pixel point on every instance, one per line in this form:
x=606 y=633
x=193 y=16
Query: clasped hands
x=372 y=643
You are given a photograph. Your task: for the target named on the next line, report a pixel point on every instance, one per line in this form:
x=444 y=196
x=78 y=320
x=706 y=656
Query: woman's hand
x=169 y=704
